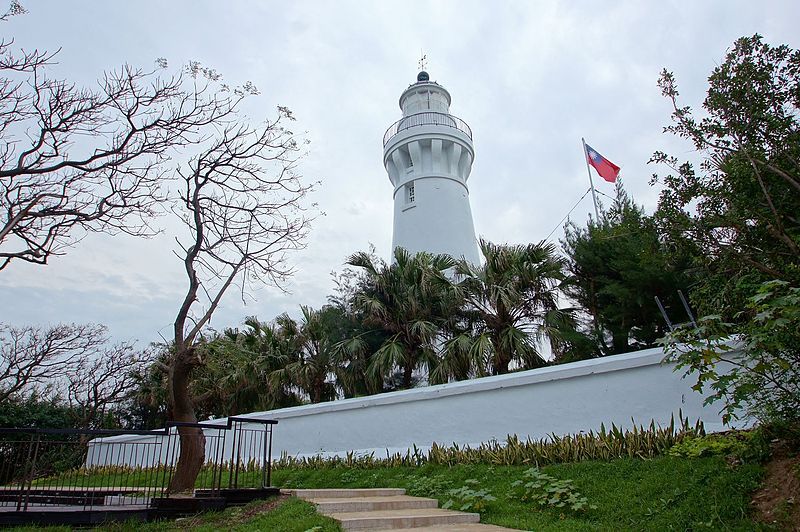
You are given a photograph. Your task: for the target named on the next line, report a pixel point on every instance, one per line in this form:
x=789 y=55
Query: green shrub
x=745 y=446
x=752 y=366
x=606 y=444
x=547 y=491
x=428 y=486
x=469 y=497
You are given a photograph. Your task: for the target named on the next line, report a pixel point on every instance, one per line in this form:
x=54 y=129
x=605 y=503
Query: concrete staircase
x=389 y=509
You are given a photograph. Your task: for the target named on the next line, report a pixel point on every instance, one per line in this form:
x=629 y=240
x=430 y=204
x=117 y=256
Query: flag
x=605 y=168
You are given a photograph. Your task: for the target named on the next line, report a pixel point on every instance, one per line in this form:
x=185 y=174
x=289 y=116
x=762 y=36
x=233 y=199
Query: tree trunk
x=192 y=440
x=619 y=340
x=316 y=392
x=501 y=364
x=501 y=359
x=408 y=371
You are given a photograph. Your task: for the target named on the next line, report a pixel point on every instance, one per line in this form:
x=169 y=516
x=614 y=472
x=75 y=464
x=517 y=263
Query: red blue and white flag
x=607 y=170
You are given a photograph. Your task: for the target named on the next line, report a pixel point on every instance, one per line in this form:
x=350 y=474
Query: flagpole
x=591 y=183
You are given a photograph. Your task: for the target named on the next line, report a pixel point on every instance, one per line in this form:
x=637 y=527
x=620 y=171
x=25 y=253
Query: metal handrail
x=428 y=118
x=139 y=432
x=53 y=467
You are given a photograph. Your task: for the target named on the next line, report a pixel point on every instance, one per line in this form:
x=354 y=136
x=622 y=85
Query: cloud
x=530 y=78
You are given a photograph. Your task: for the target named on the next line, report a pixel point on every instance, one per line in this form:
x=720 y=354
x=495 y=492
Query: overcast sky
x=530 y=78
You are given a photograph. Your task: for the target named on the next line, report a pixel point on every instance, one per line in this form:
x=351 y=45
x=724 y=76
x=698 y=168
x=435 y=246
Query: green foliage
x=234 y=378
x=547 y=491
x=469 y=498
x=737 y=215
x=388 y=327
x=660 y=493
x=605 y=444
x=708 y=446
x=628 y=492
x=410 y=301
x=508 y=301
x=33 y=411
x=292 y=515
x=425 y=486
x=310 y=362
x=751 y=367
x=617 y=265
x=744 y=446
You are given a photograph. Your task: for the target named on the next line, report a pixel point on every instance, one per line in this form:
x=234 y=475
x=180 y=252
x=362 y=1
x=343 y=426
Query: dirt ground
x=237 y=517
x=778 y=501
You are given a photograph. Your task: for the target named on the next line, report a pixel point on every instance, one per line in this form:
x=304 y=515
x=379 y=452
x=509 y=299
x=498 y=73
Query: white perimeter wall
x=564 y=399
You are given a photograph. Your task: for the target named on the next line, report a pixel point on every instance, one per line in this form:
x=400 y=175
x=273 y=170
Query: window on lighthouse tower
x=410 y=192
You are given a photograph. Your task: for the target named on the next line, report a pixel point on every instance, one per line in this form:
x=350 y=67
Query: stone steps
x=468 y=527
x=307 y=494
x=389 y=509
x=402 y=519
x=372 y=504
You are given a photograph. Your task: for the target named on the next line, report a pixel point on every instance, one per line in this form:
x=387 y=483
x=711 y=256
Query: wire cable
x=604 y=194
x=568 y=213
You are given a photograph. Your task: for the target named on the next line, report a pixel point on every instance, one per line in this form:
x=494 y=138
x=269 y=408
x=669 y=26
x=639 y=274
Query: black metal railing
x=427 y=118
x=72 y=468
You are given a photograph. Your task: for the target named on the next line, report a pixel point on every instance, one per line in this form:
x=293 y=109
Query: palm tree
x=310 y=363
x=235 y=378
x=411 y=301
x=510 y=302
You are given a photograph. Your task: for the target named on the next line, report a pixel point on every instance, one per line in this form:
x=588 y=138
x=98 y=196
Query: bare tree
x=242 y=203
x=35 y=356
x=76 y=159
x=72 y=363
x=98 y=384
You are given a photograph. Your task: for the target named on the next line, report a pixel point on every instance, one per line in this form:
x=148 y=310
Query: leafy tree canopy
x=617 y=266
x=739 y=212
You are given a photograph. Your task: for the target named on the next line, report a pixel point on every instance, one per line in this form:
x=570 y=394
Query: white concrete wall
x=559 y=400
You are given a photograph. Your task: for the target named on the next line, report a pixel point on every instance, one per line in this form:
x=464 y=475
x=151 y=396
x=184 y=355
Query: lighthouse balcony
x=427 y=118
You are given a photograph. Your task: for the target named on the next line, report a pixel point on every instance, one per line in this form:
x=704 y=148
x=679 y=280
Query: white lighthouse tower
x=428 y=155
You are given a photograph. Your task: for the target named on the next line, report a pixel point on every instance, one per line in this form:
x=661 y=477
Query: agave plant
x=606 y=444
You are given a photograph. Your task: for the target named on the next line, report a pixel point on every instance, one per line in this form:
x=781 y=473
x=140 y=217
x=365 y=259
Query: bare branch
x=98 y=384
x=76 y=160
x=244 y=209
x=33 y=356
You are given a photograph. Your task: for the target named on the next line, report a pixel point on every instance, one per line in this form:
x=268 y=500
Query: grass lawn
x=666 y=493
x=293 y=515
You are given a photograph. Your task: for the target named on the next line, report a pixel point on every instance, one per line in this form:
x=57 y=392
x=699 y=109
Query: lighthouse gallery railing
x=427 y=118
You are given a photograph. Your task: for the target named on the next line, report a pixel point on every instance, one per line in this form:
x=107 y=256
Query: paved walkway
x=390 y=509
